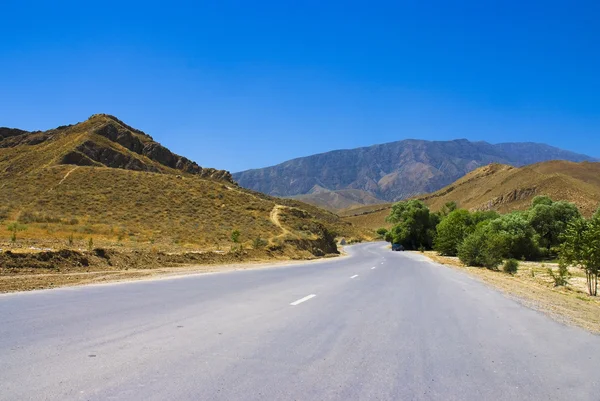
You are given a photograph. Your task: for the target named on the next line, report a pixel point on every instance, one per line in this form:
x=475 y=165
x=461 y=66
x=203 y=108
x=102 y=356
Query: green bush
x=452 y=231
x=510 y=266
x=561 y=278
x=483 y=248
x=382 y=232
x=235 y=236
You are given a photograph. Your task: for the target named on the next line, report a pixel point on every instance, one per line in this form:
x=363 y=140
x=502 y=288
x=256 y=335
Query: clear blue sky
x=244 y=84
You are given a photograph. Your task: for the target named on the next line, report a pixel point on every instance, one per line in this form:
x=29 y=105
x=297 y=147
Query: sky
x=247 y=84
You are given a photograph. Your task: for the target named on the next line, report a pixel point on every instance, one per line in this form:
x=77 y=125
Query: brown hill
x=104 y=180
x=336 y=201
x=506 y=188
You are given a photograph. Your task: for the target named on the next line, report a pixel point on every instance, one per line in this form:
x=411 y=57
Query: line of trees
x=547 y=230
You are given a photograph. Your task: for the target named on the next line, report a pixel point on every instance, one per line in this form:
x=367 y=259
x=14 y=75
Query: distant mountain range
x=392 y=171
x=505 y=188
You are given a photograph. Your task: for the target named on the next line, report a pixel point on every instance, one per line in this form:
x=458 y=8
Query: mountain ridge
x=505 y=188
x=395 y=170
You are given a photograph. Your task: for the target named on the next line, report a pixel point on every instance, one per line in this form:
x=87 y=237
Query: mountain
x=396 y=170
x=506 y=188
x=105 y=182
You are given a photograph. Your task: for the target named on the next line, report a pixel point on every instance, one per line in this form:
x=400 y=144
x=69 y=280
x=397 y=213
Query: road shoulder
x=532 y=287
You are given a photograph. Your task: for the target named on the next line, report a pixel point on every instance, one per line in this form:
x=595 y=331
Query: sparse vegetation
x=259 y=243
x=235 y=236
x=14 y=228
x=561 y=277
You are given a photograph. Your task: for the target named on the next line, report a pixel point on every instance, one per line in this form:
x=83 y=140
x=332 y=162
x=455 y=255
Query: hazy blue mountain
x=396 y=170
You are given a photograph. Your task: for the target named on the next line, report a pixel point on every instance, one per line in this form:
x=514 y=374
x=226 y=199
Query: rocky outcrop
x=11 y=137
x=509 y=197
x=142 y=144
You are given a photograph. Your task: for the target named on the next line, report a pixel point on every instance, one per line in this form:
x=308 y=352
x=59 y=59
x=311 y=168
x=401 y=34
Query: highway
x=375 y=325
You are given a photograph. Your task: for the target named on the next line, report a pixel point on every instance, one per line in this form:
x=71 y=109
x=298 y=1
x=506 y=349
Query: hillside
x=397 y=170
x=337 y=200
x=108 y=182
x=506 y=188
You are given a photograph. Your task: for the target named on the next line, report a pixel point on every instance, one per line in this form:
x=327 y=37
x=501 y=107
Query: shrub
x=259 y=243
x=382 y=232
x=451 y=231
x=561 y=278
x=235 y=236
x=483 y=248
x=510 y=266
x=14 y=228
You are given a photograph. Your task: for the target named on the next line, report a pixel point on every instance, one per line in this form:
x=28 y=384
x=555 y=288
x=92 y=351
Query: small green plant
x=532 y=273
x=382 y=232
x=561 y=278
x=422 y=249
x=90 y=244
x=70 y=239
x=259 y=243
x=510 y=266
x=235 y=236
x=14 y=228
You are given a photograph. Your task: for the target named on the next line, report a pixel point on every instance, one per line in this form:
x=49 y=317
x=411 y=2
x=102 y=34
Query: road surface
x=377 y=325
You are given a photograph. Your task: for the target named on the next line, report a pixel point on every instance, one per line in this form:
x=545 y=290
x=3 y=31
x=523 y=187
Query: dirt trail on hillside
x=64 y=178
x=274 y=216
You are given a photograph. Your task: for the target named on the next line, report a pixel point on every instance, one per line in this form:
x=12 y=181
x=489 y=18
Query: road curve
x=377 y=325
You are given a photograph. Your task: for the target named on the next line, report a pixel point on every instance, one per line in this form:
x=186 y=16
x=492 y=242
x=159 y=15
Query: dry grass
x=534 y=287
x=66 y=206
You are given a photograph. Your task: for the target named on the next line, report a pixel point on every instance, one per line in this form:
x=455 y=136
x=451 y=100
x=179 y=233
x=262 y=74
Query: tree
x=414 y=225
x=550 y=220
x=581 y=248
x=235 y=236
x=382 y=232
x=519 y=236
x=451 y=232
x=542 y=200
x=483 y=248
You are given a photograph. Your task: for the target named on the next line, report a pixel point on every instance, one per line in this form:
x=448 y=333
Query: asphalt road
x=378 y=325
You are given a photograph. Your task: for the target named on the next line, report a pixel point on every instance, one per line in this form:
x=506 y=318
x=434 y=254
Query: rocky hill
x=105 y=141
x=506 y=188
x=105 y=183
x=397 y=170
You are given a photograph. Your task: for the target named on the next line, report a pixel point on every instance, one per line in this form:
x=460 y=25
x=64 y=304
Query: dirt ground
x=534 y=287
x=50 y=269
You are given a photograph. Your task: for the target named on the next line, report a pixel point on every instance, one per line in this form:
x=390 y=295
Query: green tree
x=519 y=236
x=382 y=232
x=581 y=248
x=483 y=248
x=550 y=220
x=451 y=232
x=235 y=236
x=414 y=226
x=542 y=200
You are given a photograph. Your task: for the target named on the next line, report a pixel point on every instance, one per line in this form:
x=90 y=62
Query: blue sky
x=237 y=85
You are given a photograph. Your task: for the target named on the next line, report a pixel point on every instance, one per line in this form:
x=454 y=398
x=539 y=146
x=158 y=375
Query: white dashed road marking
x=355 y=276
x=303 y=299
